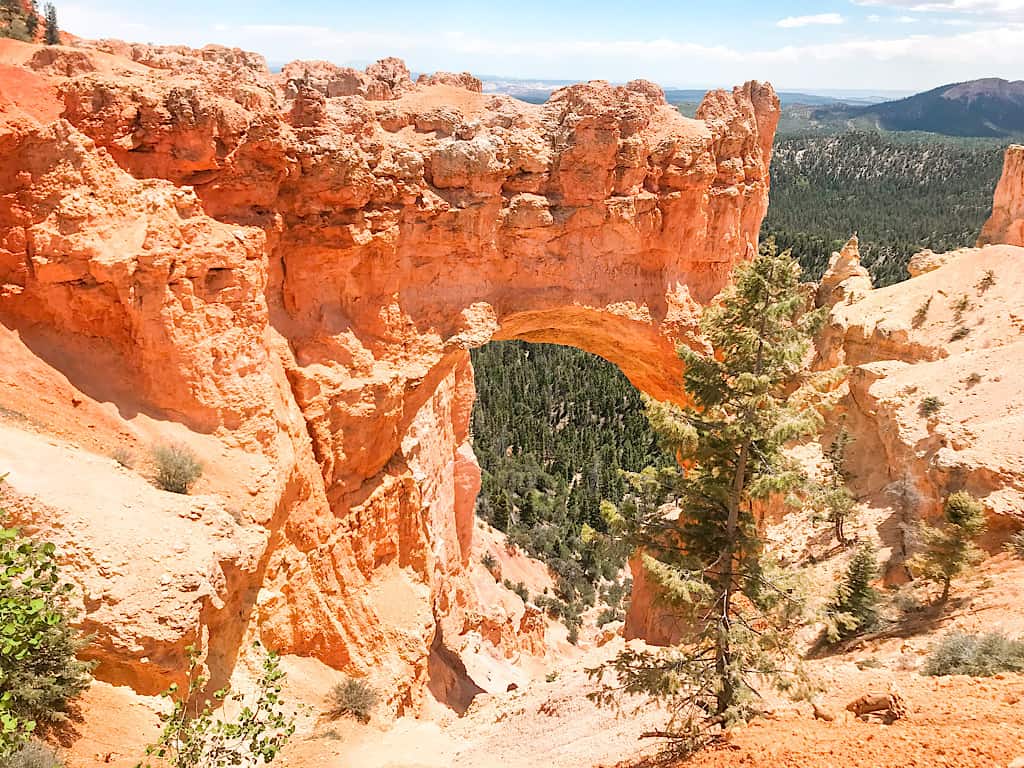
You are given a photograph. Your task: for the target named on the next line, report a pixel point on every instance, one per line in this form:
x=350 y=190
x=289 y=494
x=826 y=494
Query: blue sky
x=846 y=44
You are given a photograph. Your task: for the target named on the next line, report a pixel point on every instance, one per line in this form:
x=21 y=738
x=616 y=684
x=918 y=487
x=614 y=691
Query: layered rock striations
x=1006 y=224
x=286 y=273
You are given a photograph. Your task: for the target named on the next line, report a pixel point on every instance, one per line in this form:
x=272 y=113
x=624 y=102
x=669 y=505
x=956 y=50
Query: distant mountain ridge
x=990 y=107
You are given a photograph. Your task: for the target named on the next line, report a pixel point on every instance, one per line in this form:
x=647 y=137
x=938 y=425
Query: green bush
x=1016 y=545
x=34 y=754
x=177 y=468
x=854 y=608
x=976 y=655
x=256 y=727
x=949 y=550
x=39 y=671
x=930 y=406
x=353 y=698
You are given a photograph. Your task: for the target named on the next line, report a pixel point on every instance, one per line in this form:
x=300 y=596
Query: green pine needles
x=854 y=609
x=750 y=397
x=949 y=550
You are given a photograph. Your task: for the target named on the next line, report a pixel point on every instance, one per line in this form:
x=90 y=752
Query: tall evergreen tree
x=51 y=35
x=708 y=561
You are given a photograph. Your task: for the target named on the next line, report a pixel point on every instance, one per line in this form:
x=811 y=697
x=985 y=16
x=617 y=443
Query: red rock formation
x=1006 y=224
x=298 y=265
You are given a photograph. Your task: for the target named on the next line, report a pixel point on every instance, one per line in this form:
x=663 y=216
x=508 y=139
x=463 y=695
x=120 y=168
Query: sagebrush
x=984 y=655
x=177 y=468
x=353 y=698
x=33 y=754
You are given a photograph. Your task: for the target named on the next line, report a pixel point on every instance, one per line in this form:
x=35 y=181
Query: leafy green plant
x=353 y=698
x=854 y=608
x=930 y=405
x=949 y=550
x=255 y=729
x=40 y=673
x=489 y=561
x=975 y=655
x=177 y=468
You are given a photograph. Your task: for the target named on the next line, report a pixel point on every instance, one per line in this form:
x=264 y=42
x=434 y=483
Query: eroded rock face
x=296 y=266
x=1006 y=224
x=845 y=279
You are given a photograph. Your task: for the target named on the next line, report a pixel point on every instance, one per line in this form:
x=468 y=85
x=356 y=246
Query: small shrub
x=354 y=698
x=488 y=561
x=124 y=457
x=608 y=615
x=922 y=313
x=1016 y=545
x=976 y=655
x=551 y=676
x=972 y=380
x=930 y=406
x=986 y=282
x=519 y=588
x=177 y=468
x=960 y=307
x=960 y=333
x=34 y=754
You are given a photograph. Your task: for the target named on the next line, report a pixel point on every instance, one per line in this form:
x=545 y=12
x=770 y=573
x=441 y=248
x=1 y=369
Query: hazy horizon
x=894 y=45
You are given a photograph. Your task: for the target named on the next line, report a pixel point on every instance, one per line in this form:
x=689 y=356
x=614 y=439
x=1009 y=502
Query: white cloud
x=874 y=18
x=1012 y=10
x=791 y=22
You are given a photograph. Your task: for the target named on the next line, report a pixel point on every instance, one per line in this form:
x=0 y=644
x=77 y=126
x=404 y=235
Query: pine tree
x=834 y=496
x=950 y=550
x=51 y=34
x=502 y=511
x=708 y=561
x=854 y=608
x=32 y=19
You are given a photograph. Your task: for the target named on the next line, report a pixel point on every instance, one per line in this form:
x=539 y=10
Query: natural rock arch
x=300 y=273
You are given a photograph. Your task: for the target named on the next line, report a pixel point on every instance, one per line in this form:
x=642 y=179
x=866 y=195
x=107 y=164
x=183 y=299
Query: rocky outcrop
x=287 y=272
x=1006 y=224
x=845 y=278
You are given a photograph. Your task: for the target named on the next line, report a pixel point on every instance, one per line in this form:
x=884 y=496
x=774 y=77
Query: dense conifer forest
x=553 y=426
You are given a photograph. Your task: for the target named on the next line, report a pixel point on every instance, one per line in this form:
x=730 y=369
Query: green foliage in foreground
x=738 y=612
x=976 y=655
x=39 y=672
x=195 y=736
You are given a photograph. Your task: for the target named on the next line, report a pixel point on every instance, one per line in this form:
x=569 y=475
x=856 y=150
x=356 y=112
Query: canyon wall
x=286 y=272
x=1006 y=224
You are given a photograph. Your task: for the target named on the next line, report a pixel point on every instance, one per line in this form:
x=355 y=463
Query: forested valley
x=555 y=427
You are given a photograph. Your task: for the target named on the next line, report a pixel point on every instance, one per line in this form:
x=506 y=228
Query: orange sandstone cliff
x=285 y=272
